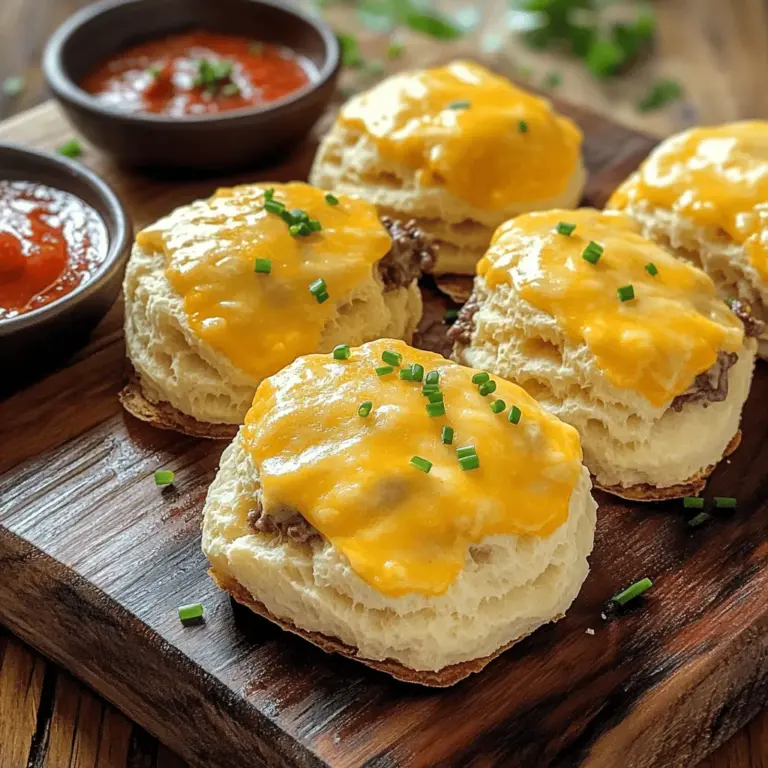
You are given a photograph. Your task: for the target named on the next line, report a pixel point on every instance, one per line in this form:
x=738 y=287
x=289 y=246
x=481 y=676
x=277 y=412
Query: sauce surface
x=716 y=176
x=50 y=243
x=262 y=322
x=197 y=73
x=656 y=343
x=401 y=529
x=460 y=126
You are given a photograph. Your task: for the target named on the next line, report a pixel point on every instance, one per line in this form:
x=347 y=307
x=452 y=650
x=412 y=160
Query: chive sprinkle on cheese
x=262 y=266
x=364 y=408
x=625 y=293
x=435 y=409
x=497 y=406
x=417 y=371
x=651 y=269
x=481 y=377
x=446 y=435
x=391 y=358
x=522 y=126
x=319 y=290
x=341 y=352
x=384 y=370
x=461 y=104
x=514 y=415
x=487 y=387
x=331 y=199
x=405 y=374
x=592 y=252
x=633 y=591
x=421 y=464
x=164 y=477
x=565 y=228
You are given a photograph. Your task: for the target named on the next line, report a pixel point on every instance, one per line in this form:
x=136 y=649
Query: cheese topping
x=656 y=343
x=262 y=322
x=718 y=177
x=404 y=530
x=462 y=127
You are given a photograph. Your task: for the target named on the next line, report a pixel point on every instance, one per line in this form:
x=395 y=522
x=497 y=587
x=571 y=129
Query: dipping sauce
x=198 y=73
x=50 y=243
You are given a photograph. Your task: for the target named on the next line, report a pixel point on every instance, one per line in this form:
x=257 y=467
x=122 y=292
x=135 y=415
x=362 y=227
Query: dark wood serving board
x=95 y=559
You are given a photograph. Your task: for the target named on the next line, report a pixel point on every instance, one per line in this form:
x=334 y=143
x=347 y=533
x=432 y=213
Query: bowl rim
x=111 y=210
x=66 y=88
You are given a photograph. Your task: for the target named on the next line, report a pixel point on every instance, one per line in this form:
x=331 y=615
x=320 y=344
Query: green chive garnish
x=497 y=406
x=300 y=230
x=459 y=105
x=481 y=377
x=435 y=409
x=391 y=358
x=190 y=613
x=693 y=502
x=318 y=288
x=564 y=228
x=435 y=397
x=522 y=126
x=364 y=409
x=417 y=371
x=700 y=519
x=450 y=314
x=428 y=389
x=469 y=462
x=651 y=269
x=341 y=352
x=467 y=450
x=725 y=502
x=314 y=225
x=592 y=252
x=384 y=370
x=447 y=435
x=163 y=477
x=514 y=415
x=273 y=206
x=331 y=199
x=633 y=591
x=433 y=377
x=322 y=297
x=625 y=293
x=419 y=463
x=406 y=374
x=487 y=387
x=230 y=89
x=269 y=193
x=263 y=266
x=13 y=86
x=299 y=216
x=72 y=148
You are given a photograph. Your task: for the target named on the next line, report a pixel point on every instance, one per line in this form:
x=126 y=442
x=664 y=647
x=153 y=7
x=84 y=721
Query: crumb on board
x=590 y=631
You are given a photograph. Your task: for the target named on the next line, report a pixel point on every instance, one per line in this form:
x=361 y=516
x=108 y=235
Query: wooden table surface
x=717 y=49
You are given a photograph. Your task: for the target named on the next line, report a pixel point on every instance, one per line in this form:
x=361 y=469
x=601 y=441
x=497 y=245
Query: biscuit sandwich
x=703 y=195
x=611 y=333
x=457 y=148
x=389 y=505
x=224 y=292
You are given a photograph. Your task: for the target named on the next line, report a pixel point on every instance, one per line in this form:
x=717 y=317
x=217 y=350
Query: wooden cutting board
x=95 y=559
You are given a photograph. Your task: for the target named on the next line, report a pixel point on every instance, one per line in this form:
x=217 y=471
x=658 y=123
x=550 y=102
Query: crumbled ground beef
x=710 y=386
x=295 y=527
x=742 y=309
x=412 y=252
x=461 y=331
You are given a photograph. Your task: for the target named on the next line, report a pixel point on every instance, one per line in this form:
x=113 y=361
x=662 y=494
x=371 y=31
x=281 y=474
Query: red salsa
x=197 y=73
x=50 y=243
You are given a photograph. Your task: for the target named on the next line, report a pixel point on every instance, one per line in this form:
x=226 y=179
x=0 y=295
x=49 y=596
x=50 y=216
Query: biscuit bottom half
x=509 y=586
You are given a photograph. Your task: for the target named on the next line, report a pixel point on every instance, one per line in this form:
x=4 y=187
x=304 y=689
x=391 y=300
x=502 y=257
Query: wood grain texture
x=720 y=52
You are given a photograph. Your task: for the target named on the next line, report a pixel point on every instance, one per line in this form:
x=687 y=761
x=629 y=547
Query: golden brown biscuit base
x=165 y=416
x=457 y=287
x=442 y=678
x=691 y=487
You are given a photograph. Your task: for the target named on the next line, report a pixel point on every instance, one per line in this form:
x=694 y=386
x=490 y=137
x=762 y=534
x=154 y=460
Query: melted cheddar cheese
x=262 y=322
x=656 y=343
x=717 y=177
x=460 y=126
x=401 y=529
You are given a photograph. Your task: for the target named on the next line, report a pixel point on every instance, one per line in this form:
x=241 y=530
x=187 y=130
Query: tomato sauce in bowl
x=51 y=242
x=198 y=73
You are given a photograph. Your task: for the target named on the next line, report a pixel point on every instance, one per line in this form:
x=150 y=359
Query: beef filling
x=413 y=251
x=742 y=309
x=710 y=386
x=461 y=331
x=295 y=527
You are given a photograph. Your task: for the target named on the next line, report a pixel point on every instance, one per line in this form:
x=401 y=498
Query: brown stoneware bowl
x=37 y=341
x=235 y=139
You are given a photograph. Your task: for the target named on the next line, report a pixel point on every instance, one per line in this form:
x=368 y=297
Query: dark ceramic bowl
x=39 y=340
x=238 y=138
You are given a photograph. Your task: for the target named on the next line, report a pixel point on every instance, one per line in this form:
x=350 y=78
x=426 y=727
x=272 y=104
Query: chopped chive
x=467 y=450
x=592 y=252
x=435 y=397
x=406 y=374
x=163 y=477
x=459 y=105
x=273 y=206
x=300 y=230
x=364 y=408
x=331 y=199
x=318 y=287
x=384 y=370
x=433 y=377
x=700 y=519
x=13 y=86
x=322 y=297
x=450 y=314
x=514 y=415
x=419 y=463
x=314 y=225
x=417 y=371
x=725 y=502
x=633 y=591
x=269 y=193
x=72 y=148
x=230 y=89
x=394 y=51
x=481 y=377
x=299 y=216
x=428 y=389
x=286 y=216
x=497 y=406
x=522 y=126
x=263 y=266
x=693 y=502
x=191 y=613
x=651 y=269
x=435 y=409
x=625 y=293
x=469 y=462
x=341 y=352
x=446 y=435
x=565 y=228
x=487 y=387
x=391 y=358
